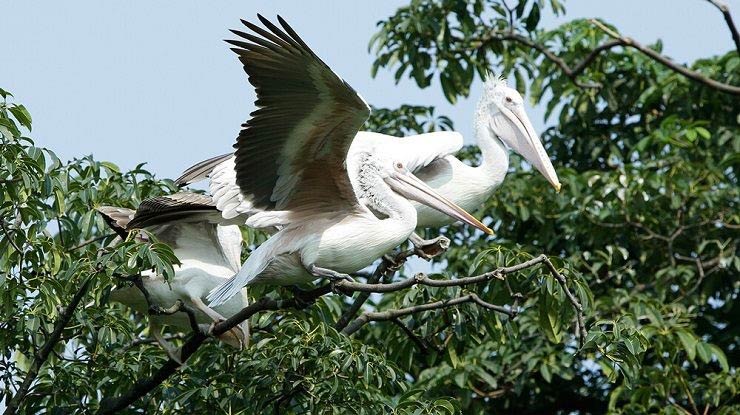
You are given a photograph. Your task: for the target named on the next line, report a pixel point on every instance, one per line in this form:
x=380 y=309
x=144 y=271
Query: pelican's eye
x=508 y=99
x=399 y=165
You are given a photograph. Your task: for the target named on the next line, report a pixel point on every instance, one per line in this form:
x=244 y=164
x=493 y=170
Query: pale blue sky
x=153 y=81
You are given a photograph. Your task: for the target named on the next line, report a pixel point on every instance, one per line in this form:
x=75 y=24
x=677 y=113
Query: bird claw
x=430 y=248
x=235 y=332
x=340 y=277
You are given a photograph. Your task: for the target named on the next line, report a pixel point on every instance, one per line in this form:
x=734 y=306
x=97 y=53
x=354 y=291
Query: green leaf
x=545 y=372
x=22 y=115
x=720 y=355
x=689 y=342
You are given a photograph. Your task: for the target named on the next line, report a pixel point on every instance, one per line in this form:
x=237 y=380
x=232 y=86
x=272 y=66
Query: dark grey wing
x=117 y=218
x=175 y=207
x=200 y=171
x=290 y=155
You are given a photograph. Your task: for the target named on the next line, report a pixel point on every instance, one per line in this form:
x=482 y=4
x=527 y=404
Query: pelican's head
x=367 y=169
x=503 y=109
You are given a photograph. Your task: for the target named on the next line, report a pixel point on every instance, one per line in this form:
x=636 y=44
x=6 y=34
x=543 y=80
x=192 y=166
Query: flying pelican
x=501 y=123
x=209 y=255
x=290 y=165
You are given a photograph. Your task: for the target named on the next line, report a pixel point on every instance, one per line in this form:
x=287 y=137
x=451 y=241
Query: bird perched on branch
x=291 y=167
x=501 y=124
x=209 y=255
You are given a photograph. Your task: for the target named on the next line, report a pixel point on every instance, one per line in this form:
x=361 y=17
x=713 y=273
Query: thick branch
x=143 y=387
x=725 y=9
x=64 y=317
x=422 y=279
x=573 y=72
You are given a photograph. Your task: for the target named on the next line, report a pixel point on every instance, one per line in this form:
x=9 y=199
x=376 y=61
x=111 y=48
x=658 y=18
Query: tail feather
x=255 y=264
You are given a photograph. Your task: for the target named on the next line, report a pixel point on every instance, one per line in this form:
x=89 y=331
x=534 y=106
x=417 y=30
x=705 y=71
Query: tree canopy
x=615 y=295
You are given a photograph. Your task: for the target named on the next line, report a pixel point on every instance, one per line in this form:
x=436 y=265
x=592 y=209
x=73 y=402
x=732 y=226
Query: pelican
x=291 y=166
x=209 y=254
x=501 y=124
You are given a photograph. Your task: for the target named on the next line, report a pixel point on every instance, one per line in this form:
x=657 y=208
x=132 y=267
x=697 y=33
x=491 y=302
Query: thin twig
x=725 y=9
x=390 y=315
x=571 y=73
x=10 y=239
x=421 y=344
x=149 y=340
x=387 y=265
x=64 y=317
x=89 y=241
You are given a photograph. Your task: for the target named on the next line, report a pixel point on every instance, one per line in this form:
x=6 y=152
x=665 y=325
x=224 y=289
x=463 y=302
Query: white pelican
x=290 y=166
x=209 y=254
x=500 y=122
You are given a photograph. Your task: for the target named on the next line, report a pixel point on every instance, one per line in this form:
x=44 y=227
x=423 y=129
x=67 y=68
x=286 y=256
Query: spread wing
x=290 y=154
x=415 y=152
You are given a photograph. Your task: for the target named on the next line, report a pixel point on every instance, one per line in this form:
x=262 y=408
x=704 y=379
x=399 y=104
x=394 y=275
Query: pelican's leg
x=236 y=337
x=172 y=351
x=328 y=273
x=429 y=248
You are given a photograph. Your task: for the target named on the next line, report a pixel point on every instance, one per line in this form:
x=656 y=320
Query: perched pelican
x=500 y=122
x=209 y=255
x=290 y=165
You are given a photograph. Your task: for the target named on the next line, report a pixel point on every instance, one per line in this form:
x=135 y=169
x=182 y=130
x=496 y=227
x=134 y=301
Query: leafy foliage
x=405 y=120
x=648 y=213
x=645 y=231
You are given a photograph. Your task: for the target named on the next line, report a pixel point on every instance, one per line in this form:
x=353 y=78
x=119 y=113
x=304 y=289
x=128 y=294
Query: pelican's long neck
x=495 y=155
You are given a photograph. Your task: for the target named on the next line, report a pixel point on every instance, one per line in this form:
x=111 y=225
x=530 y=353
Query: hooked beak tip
x=489 y=231
x=557 y=187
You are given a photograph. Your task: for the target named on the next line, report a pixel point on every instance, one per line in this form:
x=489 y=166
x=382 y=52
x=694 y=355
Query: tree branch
x=10 y=239
x=418 y=341
x=64 y=317
x=391 y=315
x=667 y=62
x=299 y=300
x=158 y=310
x=387 y=265
x=725 y=9
x=573 y=72
x=143 y=387
x=89 y=241
x=149 y=340
x=499 y=273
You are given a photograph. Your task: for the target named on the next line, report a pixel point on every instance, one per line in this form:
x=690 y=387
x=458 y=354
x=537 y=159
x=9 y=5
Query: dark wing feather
x=200 y=171
x=290 y=155
x=117 y=218
x=179 y=206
